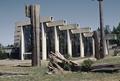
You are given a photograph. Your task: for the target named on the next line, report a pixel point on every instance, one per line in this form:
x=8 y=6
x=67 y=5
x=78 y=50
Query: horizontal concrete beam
x=69 y=26
x=21 y=23
x=110 y=36
x=56 y=23
x=27 y=53
x=46 y=19
x=27 y=22
x=88 y=34
x=81 y=30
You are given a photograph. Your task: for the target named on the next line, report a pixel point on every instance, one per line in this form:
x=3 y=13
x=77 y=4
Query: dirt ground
x=8 y=62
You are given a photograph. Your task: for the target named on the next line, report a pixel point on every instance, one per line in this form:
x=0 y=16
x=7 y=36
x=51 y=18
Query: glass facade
x=50 y=40
x=75 y=45
x=88 y=49
x=27 y=38
x=63 y=42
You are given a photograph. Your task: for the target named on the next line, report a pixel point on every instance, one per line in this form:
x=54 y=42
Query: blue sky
x=83 y=12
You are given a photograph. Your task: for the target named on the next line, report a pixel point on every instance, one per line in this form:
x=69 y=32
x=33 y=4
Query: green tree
x=116 y=30
x=107 y=29
x=118 y=34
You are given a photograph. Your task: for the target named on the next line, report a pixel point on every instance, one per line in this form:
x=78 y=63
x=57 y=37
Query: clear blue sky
x=83 y=12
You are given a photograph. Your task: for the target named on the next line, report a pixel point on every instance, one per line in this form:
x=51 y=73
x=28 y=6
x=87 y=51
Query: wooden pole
x=102 y=40
x=33 y=12
x=97 y=45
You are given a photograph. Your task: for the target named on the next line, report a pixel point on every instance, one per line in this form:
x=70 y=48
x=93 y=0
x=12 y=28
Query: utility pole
x=33 y=12
x=102 y=40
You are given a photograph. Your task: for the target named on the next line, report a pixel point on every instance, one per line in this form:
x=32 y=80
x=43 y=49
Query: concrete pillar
x=81 y=46
x=56 y=40
x=22 y=44
x=69 y=45
x=93 y=47
x=106 y=48
x=44 y=48
x=35 y=21
x=107 y=42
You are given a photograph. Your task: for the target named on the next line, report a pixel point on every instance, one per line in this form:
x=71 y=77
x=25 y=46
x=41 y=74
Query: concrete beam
x=27 y=22
x=88 y=34
x=46 y=19
x=56 y=23
x=22 y=23
x=110 y=36
x=81 y=30
x=69 y=26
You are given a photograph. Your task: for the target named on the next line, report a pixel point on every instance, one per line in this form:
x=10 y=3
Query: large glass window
x=63 y=42
x=27 y=29
x=75 y=45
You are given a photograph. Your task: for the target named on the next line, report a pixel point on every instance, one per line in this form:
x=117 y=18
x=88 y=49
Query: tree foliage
x=116 y=30
x=107 y=29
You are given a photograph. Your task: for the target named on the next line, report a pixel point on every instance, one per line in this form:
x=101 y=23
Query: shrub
x=115 y=53
x=67 y=66
x=3 y=55
x=86 y=65
x=67 y=56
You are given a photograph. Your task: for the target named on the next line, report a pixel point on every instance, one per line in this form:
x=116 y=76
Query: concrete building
x=56 y=36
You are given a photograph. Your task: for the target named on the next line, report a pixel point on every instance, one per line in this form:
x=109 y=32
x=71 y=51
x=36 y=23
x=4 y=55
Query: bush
x=86 y=65
x=67 y=56
x=67 y=66
x=3 y=55
x=116 y=51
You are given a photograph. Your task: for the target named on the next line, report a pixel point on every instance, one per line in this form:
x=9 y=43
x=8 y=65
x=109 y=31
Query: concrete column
x=56 y=40
x=69 y=45
x=22 y=44
x=81 y=46
x=107 y=42
x=93 y=47
x=106 y=48
x=35 y=21
x=44 y=53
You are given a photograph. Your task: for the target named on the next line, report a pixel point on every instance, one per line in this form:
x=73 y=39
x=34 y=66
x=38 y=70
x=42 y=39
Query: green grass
x=109 y=60
x=39 y=74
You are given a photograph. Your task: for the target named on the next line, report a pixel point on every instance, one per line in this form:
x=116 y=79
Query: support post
x=81 y=46
x=106 y=48
x=107 y=42
x=102 y=39
x=22 y=44
x=44 y=48
x=97 y=45
x=93 y=46
x=56 y=40
x=69 y=46
x=35 y=21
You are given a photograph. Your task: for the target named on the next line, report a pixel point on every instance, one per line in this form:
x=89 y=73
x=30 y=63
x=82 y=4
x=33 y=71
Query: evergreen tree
x=107 y=29
x=116 y=30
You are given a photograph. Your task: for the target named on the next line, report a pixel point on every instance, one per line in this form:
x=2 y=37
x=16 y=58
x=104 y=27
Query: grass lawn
x=109 y=59
x=39 y=74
